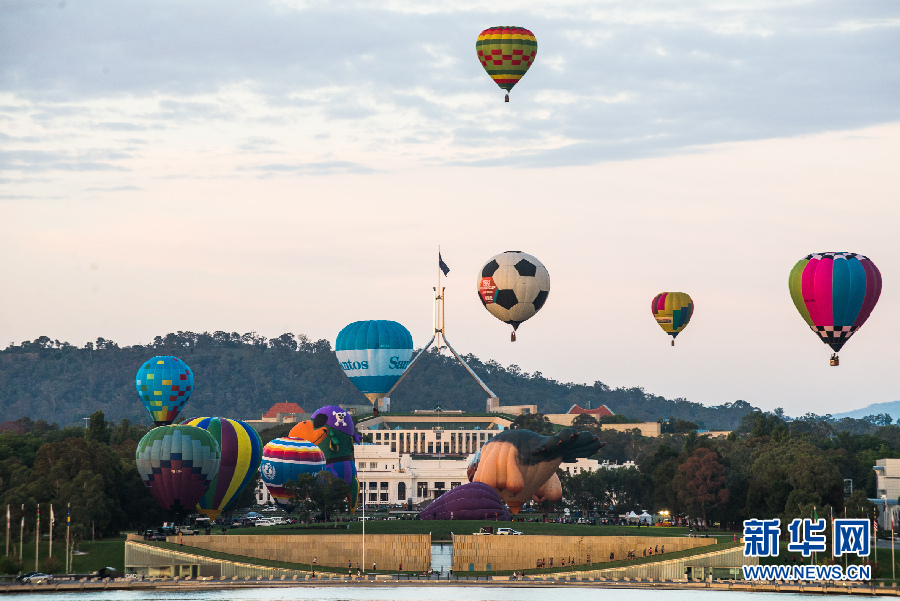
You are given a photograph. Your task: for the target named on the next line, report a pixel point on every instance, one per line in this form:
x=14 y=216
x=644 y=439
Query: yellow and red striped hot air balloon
x=506 y=53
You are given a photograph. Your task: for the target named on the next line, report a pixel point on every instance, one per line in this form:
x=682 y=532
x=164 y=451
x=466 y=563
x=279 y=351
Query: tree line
x=768 y=467
x=242 y=375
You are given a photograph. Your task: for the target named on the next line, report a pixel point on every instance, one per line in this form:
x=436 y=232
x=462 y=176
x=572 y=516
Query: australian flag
x=442 y=265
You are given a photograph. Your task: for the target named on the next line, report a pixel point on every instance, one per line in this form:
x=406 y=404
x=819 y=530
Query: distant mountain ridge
x=892 y=408
x=242 y=376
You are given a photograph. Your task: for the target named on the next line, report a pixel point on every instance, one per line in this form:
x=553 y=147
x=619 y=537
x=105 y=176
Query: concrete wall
x=388 y=551
x=523 y=551
x=154 y=562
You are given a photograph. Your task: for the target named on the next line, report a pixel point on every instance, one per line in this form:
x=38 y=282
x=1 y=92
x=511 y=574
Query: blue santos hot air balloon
x=374 y=354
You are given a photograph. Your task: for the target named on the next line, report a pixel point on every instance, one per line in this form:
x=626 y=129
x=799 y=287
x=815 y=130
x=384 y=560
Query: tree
x=328 y=494
x=701 y=481
x=98 y=429
x=536 y=422
x=585 y=421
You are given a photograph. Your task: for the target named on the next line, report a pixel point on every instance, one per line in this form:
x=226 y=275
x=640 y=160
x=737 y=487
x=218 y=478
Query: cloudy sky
x=293 y=166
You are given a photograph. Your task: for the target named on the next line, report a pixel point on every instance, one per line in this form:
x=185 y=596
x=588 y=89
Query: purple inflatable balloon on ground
x=473 y=501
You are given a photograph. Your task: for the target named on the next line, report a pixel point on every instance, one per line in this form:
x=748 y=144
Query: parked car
x=265 y=522
x=507 y=531
x=36 y=578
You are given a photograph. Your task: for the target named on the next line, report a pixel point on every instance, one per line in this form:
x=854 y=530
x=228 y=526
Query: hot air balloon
x=513 y=286
x=241 y=451
x=835 y=293
x=506 y=53
x=284 y=459
x=374 y=354
x=672 y=311
x=178 y=463
x=521 y=465
x=164 y=385
x=472 y=501
x=332 y=430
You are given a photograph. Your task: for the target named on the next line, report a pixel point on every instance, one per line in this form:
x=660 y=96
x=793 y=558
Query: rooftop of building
x=600 y=411
x=283 y=409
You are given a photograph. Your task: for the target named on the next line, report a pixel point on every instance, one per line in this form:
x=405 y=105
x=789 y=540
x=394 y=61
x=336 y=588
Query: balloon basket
x=835 y=361
x=512 y=337
x=507 y=98
x=673 y=342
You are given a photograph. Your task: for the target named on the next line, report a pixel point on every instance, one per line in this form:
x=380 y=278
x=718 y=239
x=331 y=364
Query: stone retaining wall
x=493 y=552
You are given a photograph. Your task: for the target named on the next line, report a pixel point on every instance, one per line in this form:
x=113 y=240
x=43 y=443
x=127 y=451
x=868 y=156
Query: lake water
x=430 y=593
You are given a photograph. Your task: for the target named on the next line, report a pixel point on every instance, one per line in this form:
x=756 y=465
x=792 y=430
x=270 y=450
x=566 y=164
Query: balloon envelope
x=506 y=53
x=284 y=459
x=513 y=286
x=164 y=385
x=374 y=354
x=472 y=501
x=177 y=464
x=835 y=293
x=241 y=451
x=672 y=311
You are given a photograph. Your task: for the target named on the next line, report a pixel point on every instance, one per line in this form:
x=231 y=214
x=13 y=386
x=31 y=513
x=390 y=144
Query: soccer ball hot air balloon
x=506 y=53
x=835 y=293
x=672 y=311
x=241 y=451
x=284 y=459
x=177 y=464
x=374 y=354
x=513 y=286
x=164 y=385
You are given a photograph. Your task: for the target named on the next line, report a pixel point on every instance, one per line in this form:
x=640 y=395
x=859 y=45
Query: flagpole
x=51 y=530
x=37 y=537
x=7 y=529
x=68 y=524
x=22 y=536
x=440 y=296
x=893 y=565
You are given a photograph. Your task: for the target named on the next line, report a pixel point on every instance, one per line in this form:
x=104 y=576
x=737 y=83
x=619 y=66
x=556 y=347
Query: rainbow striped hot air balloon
x=835 y=293
x=164 y=385
x=177 y=464
x=506 y=53
x=672 y=311
x=241 y=451
x=284 y=459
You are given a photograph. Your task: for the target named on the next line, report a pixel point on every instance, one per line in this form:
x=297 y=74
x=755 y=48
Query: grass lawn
x=442 y=529
x=99 y=554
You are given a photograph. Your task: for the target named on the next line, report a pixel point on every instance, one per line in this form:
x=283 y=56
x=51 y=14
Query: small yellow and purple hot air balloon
x=672 y=311
x=835 y=293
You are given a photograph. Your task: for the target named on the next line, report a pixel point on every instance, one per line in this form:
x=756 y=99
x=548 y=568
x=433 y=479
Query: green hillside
x=243 y=375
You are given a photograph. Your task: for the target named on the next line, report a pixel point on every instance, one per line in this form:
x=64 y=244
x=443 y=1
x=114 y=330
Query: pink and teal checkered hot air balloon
x=835 y=293
x=164 y=385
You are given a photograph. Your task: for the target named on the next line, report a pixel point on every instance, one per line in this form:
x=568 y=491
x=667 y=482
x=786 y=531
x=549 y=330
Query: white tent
x=646 y=517
x=632 y=515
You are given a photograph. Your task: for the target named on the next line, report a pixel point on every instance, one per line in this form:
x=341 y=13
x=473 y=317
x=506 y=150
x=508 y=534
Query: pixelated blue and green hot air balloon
x=164 y=385
x=374 y=354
